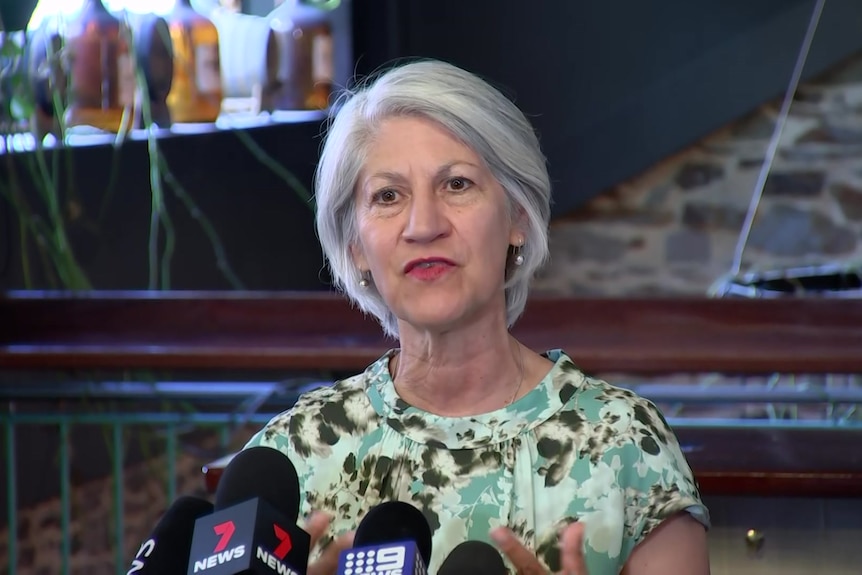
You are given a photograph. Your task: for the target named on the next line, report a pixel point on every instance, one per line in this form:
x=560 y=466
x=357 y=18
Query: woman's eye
x=459 y=184
x=386 y=196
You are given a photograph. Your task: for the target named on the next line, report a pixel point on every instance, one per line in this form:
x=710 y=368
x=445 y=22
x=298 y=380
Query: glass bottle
x=196 y=92
x=47 y=77
x=100 y=68
x=306 y=68
x=155 y=60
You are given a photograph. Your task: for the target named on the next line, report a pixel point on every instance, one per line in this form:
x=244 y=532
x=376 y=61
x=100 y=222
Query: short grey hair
x=475 y=113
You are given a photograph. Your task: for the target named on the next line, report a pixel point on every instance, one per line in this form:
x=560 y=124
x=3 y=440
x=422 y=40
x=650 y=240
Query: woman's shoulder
x=595 y=397
x=602 y=417
x=612 y=403
x=343 y=405
x=336 y=392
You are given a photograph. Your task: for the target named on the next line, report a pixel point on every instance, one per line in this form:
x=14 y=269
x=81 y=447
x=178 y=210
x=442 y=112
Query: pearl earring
x=519 y=257
x=363 y=280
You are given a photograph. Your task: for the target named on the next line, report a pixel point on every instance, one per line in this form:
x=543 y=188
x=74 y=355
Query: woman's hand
x=525 y=561
x=327 y=563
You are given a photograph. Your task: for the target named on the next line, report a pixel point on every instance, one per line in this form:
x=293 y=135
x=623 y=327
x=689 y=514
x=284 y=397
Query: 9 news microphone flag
x=397 y=558
x=393 y=538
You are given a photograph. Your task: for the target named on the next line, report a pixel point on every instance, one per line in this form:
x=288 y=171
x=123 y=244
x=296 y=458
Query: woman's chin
x=432 y=315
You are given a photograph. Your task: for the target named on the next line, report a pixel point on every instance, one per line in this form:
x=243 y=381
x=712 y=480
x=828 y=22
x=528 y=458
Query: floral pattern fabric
x=573 y=448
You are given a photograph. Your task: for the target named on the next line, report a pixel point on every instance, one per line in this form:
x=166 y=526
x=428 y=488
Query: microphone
x=253 y=529
x=166 y=551
x=473 y=558
x=392 y=539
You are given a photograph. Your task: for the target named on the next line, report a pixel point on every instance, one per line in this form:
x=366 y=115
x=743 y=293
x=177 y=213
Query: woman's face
x=433 y=225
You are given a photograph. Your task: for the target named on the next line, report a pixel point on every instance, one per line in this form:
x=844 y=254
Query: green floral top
x=572 y=448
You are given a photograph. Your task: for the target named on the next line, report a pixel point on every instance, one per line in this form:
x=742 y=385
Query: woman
x=433 y=202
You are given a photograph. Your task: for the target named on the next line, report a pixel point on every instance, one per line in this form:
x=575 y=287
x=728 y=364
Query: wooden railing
x=320 y=331
x=193 y=330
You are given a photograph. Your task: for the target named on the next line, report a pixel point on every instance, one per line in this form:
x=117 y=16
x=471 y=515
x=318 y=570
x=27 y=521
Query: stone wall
x=674 y=228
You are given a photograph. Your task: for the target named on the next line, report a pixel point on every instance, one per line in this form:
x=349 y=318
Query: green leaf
x=21 y=107
x=9 y=48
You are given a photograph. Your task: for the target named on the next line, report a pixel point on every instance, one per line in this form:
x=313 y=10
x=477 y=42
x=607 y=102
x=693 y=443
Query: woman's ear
x=518 y=227
x=358 y=256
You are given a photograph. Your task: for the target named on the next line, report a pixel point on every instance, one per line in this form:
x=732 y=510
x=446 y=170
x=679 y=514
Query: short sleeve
x=656 y=479
x=320 y=436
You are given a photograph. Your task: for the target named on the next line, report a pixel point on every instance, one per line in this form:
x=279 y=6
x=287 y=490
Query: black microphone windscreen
x=395 y=521
x=474 y=558
x=260 y=472
x=166 y=551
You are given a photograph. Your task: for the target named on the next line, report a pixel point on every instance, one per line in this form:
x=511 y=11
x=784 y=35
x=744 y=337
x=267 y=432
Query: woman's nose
x=426 y=219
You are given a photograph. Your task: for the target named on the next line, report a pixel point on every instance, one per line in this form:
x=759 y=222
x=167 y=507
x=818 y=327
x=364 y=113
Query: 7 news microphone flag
x=249 y=536
x=253 y=529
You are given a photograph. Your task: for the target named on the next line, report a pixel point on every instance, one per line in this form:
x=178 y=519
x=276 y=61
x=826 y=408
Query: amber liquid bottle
x=306 y=69
x=100 y=68
x=196 y=92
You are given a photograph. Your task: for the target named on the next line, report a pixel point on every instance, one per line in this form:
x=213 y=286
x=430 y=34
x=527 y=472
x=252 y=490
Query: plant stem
x=158 y=211
x=222 y=262
x=270 y=162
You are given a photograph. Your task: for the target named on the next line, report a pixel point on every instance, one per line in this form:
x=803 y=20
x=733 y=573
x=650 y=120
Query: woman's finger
x=524 y=560
x=572 y=550
x=327 y=563
x=316 y=526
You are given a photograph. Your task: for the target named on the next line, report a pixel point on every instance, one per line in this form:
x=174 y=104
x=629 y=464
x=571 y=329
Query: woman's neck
x=464 y=372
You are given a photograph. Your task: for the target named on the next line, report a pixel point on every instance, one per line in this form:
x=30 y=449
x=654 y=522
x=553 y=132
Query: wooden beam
x=773 y=462
x=298 y=331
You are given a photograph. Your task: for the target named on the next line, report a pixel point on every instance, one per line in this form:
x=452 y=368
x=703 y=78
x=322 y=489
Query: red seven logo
x=225 y=530
x=284 y=543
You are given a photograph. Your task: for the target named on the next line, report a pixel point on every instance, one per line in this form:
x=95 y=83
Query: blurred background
x=158 y=261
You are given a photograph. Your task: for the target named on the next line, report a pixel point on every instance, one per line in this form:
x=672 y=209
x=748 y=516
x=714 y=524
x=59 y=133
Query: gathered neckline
x=469 y=432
